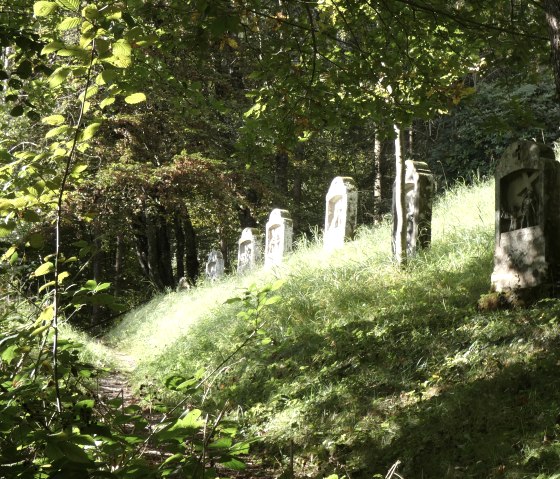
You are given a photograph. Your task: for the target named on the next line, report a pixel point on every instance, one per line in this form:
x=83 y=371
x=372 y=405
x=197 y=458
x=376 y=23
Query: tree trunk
x=153 y=249
x=153 y=253
x=281 y=163
x=246 y=219
x=180 y=247
x=224 y=247
x=377 y=151
x=119 y=264
x=191 y=250
x=297 y=188
x=97 y=267
x=400 y=203
x=163 y=249
x=552 y=11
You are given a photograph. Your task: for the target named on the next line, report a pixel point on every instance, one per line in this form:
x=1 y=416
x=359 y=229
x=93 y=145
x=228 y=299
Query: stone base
x=519 y=260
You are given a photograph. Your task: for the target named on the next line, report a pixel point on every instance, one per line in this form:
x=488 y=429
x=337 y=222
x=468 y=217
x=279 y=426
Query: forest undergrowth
x=361 y=364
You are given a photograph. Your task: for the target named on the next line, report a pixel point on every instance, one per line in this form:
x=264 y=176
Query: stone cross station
x=250 y=250
x=215 y=265
x=419 y=193
x=341 y=212
x=279 y=233
x=527 y=219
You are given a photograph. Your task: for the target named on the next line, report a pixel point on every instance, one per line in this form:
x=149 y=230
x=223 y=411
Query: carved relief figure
x=520 y=201
x=337 y=214
x=274 y=240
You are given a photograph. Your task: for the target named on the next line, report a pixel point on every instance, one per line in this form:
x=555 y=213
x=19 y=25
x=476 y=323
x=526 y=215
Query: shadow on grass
x=374 y=390
x=501 y=426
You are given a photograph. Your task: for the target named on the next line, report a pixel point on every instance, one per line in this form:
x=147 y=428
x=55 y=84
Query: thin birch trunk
x=400 y=203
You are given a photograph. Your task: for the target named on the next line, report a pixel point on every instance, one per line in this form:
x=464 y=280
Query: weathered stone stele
x=215 y=265
x=527 y=219
x=419 y=193
x=279 y=232
x=341 y=212
x=250 y=250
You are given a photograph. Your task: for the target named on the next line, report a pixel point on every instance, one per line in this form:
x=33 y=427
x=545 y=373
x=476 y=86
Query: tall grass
x=367 y=363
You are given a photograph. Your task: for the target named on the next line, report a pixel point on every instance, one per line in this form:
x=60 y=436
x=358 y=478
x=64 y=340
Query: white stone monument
x=279 y=233
x=419 y=191
x=215 y=265
x=250 y=250
x=341 y=212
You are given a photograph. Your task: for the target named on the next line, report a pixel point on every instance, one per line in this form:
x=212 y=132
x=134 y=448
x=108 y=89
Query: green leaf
x=121 y=48
x=40 y=330
x=43 y=9
x=135 y=98
x=107 y=102
x=76 y=52
x=45 y=268
x=106 y=77
x=78 y=169
x=31 y=216
x=7 y=228
x=69 y=23
x=102 y=287
x=9 y=253
x=53 y=120
x=47 y=285
x=272 y=300
x=277 y=284
x=16 y=111
x=173 y=458
x=221 y=443
x=90 y=131
x=191 y=420
x=90 y=12
x=114 y=12
x=69 y=4
x=58 y=76
x=85 y=404
x=59 y=130
x=52 y=47
x=24 y=69
x=74 y=453
x=62 y=276
x=10 y=353
x=91 y=91
x=234 y=464
x=119 y=62
x=239 y=448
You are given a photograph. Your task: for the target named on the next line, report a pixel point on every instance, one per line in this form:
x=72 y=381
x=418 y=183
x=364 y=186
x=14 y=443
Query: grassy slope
x=370 y=364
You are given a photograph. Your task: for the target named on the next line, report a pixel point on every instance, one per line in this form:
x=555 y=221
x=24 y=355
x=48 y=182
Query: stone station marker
x=279 y=232
x=250 y=250
x=341 y=212
x=215 y=265
x=419 y=193
x=527 y=219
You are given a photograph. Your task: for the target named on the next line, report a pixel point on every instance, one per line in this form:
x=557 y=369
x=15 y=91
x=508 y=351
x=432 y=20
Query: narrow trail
x=116 y=383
